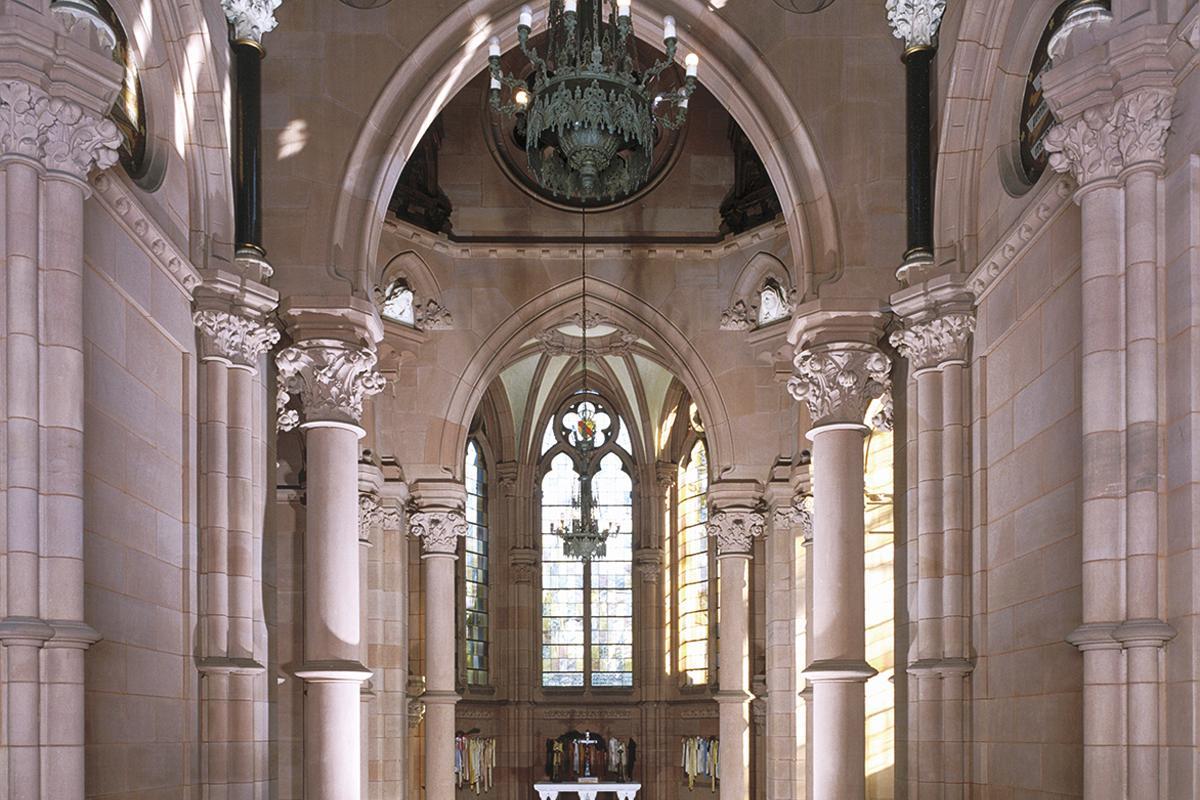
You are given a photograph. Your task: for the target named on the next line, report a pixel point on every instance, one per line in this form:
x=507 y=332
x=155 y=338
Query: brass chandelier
x=587 y=111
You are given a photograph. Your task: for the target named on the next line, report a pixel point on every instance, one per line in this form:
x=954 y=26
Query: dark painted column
x=919 y=146
x=247 y=125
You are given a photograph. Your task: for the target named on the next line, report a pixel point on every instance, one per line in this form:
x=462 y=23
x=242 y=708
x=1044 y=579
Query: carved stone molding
x=372 y=514
x=233 y=338
x=251 y=18
x=799 y=513
x=1050 y=203
x=85 y=15
x=587 y=713
x=432 y=316
x=439 y=531
x=649 y=563
x=735 y=529
x=1108 y=138
x=666 y=475
x=838 y=381
x=286 y=419
x=741 y=316
x=331 y=377
x=56 y=132
x=885 y=420
x=933 y=342
x=916 y=21
x=523 y=564
x=556 y=343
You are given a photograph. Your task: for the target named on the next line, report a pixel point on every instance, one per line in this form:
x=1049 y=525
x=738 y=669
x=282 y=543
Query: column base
x=837 y=670
x=333 y=671
x=1143 y=633
x=1094 y=636
x=220 y=665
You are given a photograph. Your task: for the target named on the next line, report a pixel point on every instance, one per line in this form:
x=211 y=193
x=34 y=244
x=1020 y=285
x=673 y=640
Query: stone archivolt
x=1109 y=138
x=235 y=338
x=251 y=18
x=839 y=381
x=735 y=529
x=916 y=21
x=439 y=531
x=58 y=133
x=331 y=377
x=933 y=342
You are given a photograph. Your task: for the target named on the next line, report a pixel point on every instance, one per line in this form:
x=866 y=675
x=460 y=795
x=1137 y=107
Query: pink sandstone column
x=43 y=634
x=839 y=370
x=439 y=530
x=332 y=378
x=735 y=530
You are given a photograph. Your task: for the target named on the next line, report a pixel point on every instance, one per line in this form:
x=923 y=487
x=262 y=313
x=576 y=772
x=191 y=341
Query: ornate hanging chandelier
x=586 y=109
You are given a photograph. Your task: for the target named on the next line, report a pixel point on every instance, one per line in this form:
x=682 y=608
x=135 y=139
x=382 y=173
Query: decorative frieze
x=1109 y=138
x=251 y=18
x=233 y=338
x=373 y=514
x=331 y=377
x=56 y=132
x=839 y=381
x=933 y=342
x=735 y=529
x=439 y=531
x=916 y=21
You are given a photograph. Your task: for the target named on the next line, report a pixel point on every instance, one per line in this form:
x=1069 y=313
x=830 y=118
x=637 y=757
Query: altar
x=587 y=791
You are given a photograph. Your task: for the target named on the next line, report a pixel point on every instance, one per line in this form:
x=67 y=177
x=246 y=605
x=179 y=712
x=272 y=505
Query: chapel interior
x=599 y=399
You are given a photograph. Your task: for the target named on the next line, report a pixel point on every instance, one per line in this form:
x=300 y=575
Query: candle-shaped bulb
x=526 y=18
x=495 y=85
x=494 y=47
x=623 y=7
x=668 y=27
x=691 y=62
x=569 y=6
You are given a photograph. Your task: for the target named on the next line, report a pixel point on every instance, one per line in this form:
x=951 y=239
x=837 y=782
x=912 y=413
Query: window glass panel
x=475 y=569
x=693 y=560
x=563 y=644
x=612 y=578
x=772 y=305
x=398 y=303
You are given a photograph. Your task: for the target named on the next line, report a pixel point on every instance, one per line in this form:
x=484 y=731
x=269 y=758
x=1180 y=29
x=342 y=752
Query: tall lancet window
x=475 y=569
x=587 y=605
x=693 y=576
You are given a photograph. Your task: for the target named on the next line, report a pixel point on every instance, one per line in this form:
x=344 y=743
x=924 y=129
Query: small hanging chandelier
x=586 y=110
x=582 y=537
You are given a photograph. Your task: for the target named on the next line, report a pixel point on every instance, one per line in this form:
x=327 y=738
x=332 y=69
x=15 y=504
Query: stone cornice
x=59 y=134
x=930 y=343
x=251 y=18
x=331 y=377
x=839 y=380
x=1107 y=139
x=735 y=529
x=239 y=340
x=439 y=531
x=916 y=22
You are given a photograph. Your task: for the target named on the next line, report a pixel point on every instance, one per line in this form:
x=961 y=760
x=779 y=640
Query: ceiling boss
x=586 y=109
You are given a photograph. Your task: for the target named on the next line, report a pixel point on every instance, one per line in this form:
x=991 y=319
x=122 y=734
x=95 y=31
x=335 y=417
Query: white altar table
x=587 y=791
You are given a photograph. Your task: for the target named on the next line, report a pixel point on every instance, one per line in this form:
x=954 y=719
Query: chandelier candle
x=588 y=112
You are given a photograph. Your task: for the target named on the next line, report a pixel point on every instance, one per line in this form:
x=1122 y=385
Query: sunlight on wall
x=881 y=646
x=292 y=139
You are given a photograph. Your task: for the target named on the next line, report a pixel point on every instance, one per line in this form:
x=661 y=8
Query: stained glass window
x=475 y=569
x=129 y=109
x=693 y=566
x=587 y=607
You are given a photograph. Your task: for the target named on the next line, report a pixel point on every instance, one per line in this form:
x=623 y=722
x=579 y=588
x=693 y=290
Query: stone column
x=54 y=92
x=734 y=530
x=839 y=371
x=332 y=377
x=1115 y=151
x=439 y=527
x=938 y=326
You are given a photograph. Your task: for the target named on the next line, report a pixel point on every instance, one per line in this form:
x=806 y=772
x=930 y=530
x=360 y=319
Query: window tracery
x=693 y=596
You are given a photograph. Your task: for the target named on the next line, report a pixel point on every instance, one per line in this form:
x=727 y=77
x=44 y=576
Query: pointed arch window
x=693 y=559
x=475 y=569
x=587 y=606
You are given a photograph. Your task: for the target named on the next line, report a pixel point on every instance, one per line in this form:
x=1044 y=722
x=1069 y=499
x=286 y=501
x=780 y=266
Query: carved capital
x=373 y=514
x=838 y=381
x=1111 y=137
x=251 y=18
x=439 y=531
x=799 y=513
x=916 y=21
x=666 y=474
x=523 y=564
x=933 y=342
x=58 y=133
x=233 y=338
x=331 y=377
x=649 y=563
x=735 y=529
x=286 y=419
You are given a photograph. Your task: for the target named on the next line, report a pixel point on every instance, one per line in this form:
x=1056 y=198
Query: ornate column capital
x=523 y=562
x=332 y=378
x=930 y=343
x=916 y=22
x=372 y=513
x=439 y=531
x=839 y=380
x=59 y=134
x=251 y=18
x=665 y=474
x=798 y=513
x=237 y=340
x=1109 y=138
x=648 y=561
x=735 y=529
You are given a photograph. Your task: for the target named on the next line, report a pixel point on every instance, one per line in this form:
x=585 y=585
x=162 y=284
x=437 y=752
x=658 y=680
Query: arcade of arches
x=853 y=455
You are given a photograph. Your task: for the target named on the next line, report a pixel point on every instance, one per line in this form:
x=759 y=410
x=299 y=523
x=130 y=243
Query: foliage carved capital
x=838 y=381
x=736 y=529
x=56 y=132
x=233 y=338
x=251 y=18
x=439 y=531
x=331 y=377
x=932 y=342
x=916 y=21
x=373 y=514
x=1109 y=138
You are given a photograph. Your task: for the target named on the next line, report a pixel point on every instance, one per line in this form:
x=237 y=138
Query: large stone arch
x=456 y=50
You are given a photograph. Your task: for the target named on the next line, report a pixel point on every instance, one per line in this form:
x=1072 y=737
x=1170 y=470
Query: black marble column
x=918 y=64
x=247 y=124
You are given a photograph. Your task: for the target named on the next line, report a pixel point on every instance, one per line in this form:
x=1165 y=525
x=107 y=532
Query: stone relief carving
x=735 y=529
x=237 y=339
x=885 y=420
x=1050 y=203
x=432 y=316
x=839 y=381
x=1110 y=137
x=799 y=513
x=57 y=132
x=587 y=713
x=916 y=21
x=331 y=377
x=439 y=531
x=251 y=18
x=556 y=343
x=372 y=513
x=931 y=343
x=741 y=316
x=648 y=562
x=72 y=15
x=286 y=419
